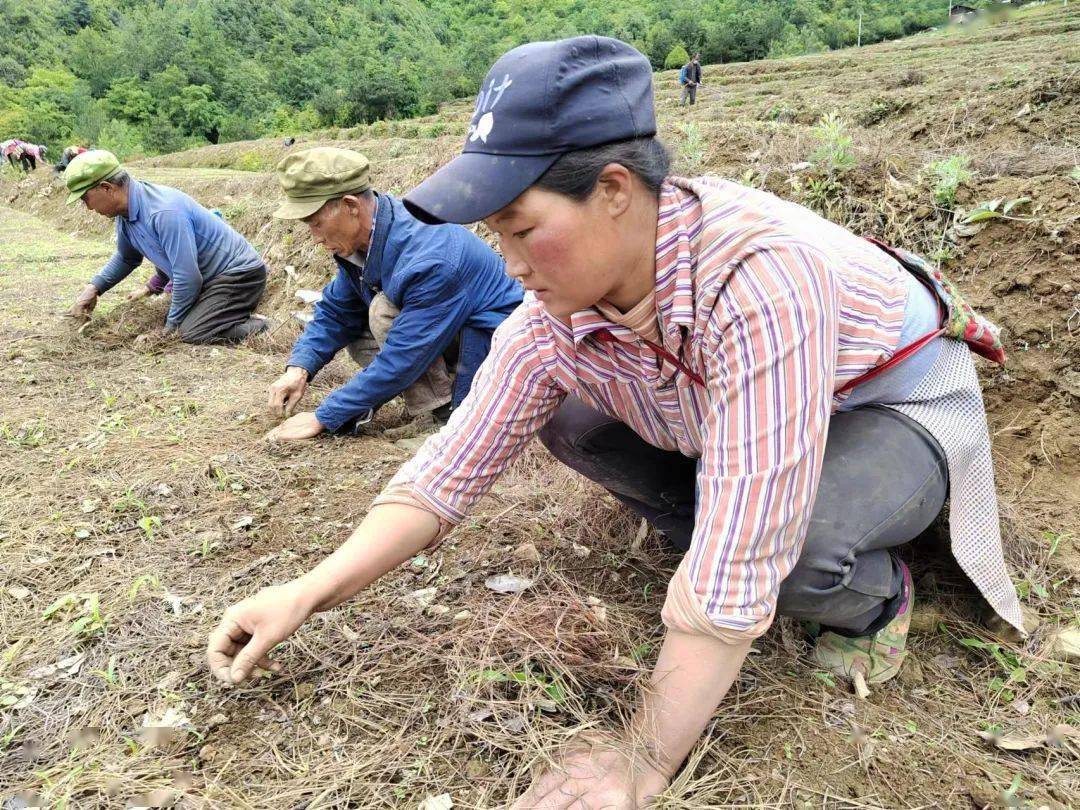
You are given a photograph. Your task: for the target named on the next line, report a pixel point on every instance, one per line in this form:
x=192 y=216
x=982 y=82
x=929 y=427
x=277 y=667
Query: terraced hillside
x=138 y=499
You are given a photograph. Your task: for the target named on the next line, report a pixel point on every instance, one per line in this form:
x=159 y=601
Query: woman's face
x=568 y=253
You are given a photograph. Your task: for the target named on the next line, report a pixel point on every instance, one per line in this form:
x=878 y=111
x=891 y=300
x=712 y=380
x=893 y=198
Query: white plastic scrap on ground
x=507 y=583
x=440 y=802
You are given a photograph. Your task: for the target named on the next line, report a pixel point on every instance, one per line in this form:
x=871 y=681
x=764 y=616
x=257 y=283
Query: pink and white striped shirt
x=775 y=308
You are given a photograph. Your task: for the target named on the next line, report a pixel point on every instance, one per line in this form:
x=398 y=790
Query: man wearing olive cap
x=217 y=277
x=427 y=294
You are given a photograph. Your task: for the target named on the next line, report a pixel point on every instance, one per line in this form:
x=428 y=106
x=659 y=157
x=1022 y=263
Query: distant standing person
x=690 y=79
x=217 y=277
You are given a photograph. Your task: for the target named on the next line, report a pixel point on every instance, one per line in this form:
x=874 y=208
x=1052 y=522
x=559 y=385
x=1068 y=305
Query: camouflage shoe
x=876 y=658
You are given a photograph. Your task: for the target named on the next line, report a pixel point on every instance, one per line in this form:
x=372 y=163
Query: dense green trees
x=156 y=75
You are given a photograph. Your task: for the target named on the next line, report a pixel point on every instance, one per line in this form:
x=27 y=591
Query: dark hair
x=576 y=173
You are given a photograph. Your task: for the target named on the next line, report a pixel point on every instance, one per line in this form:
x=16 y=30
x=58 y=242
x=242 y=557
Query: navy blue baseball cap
x=538 y=102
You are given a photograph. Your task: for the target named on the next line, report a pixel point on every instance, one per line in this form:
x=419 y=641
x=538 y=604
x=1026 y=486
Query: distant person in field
x=217 y=277
x=429 y=298
x=32 y=154
x=11 y=151
x=788 y=403
x=690 y=79
x=68 y=155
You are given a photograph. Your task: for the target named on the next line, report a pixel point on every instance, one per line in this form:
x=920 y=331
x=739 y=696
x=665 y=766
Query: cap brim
x=298 y=210
x=473 y=186
x=74 y=196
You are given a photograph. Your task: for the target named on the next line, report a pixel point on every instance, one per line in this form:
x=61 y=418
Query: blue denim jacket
x=186 y=242
x=443 y=278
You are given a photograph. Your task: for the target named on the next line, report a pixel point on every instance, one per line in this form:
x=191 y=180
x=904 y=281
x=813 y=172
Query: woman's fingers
x=221 y=648
x=254 y=655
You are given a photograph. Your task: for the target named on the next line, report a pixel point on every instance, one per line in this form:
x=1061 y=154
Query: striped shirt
x=775 y=307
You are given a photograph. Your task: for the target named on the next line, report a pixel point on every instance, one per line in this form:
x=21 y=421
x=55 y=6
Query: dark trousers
x=223 y=312
x=883 y=482
x=472 y=349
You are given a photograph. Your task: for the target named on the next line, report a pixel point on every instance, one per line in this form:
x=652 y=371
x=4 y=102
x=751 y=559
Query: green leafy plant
x=692 y=150
x=949 y=175
x=1010 y=662
x=27 y=436
x=552 y=687
x=834 y=153
x=82 y=610
x=148 y=581
x=995 y=209
x=149 y=525
x=111 y=675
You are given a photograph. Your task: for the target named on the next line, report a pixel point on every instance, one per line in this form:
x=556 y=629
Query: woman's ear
x=615 y=187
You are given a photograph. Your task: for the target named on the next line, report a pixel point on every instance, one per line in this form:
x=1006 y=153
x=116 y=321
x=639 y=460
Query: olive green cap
x=87 y=170
x=313 y=177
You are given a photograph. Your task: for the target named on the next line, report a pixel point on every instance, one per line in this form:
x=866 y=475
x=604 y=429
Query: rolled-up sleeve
x=770 y=351
x=512 y=397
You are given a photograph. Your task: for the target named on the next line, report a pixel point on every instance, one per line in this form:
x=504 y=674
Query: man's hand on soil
x=138 y=292
x=287 y=390
x=296 y=428
x=85 y=302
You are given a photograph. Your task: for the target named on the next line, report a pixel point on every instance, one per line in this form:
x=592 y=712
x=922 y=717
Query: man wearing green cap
x=427 y=294
x=217 y=277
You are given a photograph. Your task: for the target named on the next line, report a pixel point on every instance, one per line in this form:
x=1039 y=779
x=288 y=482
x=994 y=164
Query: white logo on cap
x=485 y=103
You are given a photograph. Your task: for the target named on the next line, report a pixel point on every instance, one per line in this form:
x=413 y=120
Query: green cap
x=87 y=170
x=313 y=177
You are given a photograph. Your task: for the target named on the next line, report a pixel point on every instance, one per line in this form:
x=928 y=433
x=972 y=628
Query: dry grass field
x=138 y=499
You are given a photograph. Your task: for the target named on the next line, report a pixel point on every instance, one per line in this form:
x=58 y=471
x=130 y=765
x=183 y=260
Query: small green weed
x=1010 y=662
x=26 y=436
x=949 y=175
x=835 y=153
x=82 y=610
x=552 y=687
x=692 y=150
x=148 y=581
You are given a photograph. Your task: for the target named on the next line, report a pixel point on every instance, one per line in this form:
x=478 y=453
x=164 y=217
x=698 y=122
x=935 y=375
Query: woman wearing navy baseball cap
x=726 y=364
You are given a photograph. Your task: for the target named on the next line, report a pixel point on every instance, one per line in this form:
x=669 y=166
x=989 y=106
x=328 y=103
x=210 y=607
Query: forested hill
x=155 y=76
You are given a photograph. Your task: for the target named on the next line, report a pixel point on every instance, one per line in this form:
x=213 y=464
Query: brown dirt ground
x=139 y=477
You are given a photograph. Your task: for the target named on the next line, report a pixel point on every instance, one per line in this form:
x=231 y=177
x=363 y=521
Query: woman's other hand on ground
x=296 y=428
x=605 y=775
x=250 y=629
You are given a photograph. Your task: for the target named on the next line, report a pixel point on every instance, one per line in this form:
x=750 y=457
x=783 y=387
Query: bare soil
x=136 y=483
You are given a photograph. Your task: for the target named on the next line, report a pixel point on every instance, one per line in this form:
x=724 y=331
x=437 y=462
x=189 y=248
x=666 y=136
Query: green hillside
x=155 y=76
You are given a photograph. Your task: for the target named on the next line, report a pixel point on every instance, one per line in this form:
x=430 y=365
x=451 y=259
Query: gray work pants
x=435 y=386
x=883 y=482
x=689 y=91
x=223 y=312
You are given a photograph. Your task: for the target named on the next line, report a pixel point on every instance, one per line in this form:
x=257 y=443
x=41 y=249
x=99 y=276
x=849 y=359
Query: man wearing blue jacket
x=425 y=293
x=217 y=277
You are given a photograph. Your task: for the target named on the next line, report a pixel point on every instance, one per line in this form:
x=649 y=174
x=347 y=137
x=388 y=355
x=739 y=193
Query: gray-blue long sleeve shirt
x=183 y=239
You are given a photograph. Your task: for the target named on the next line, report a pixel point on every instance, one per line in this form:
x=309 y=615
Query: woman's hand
x=250 y=629
x=138 y=292
x=604 y=776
